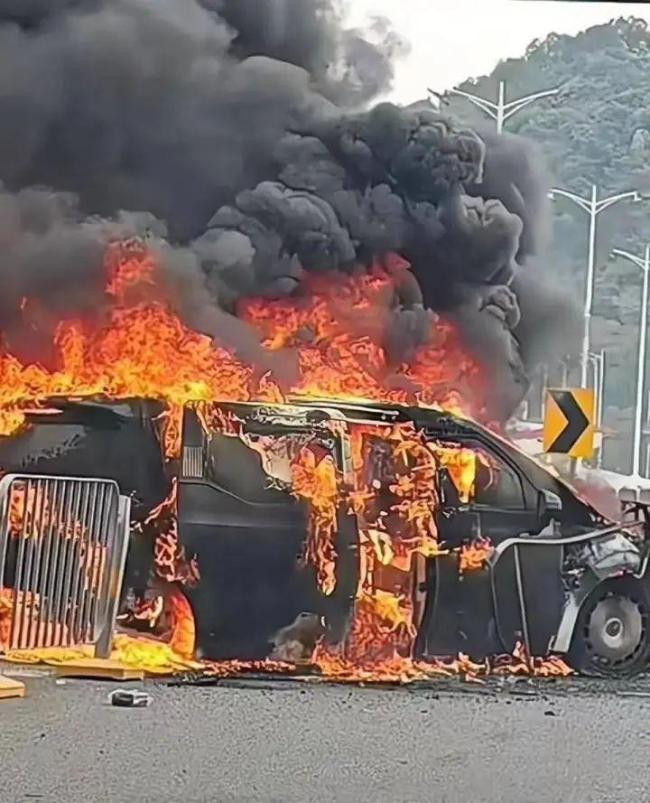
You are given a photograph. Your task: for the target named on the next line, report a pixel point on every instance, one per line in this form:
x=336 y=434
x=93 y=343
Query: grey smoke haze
x=236 y=134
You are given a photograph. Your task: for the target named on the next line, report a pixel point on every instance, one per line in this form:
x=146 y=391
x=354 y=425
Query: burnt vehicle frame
x=561 y=578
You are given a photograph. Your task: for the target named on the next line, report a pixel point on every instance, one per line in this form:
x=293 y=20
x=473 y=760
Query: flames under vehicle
x=549 y=572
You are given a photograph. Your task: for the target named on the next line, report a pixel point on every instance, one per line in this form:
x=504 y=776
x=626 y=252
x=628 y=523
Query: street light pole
x=644 y=264
x=501 y=111
x=593 y=207
x=594 y=359
x=598 y=362
x=565 y=374
x=544 y=389
x=600 y=388
x=601 y=407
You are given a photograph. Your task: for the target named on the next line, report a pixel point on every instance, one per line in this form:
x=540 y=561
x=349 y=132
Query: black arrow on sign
x=577 y=422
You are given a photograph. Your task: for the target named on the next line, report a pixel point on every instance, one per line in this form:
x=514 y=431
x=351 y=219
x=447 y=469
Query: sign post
x=569 y=422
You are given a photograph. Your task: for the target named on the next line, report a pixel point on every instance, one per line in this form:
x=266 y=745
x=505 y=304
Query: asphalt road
x=288 y=742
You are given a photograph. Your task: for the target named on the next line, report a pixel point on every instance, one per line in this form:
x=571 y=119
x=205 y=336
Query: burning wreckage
x=365 y=539
x=288 y=408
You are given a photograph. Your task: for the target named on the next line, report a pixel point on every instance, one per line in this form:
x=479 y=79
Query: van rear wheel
x=612 y=635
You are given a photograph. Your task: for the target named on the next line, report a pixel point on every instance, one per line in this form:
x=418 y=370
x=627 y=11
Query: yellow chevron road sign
x=569 y=422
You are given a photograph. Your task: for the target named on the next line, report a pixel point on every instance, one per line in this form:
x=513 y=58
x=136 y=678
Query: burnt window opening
x=379 y=470
x=258 y=468
x=238 y=468
x=496 y=484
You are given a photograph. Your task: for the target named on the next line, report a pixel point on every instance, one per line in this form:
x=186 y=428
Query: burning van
x=353 y=534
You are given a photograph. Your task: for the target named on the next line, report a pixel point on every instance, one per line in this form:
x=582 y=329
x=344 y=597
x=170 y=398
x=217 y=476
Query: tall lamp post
x=501 y=111
x=598 y=362
x=644 y=264
x=593 y=207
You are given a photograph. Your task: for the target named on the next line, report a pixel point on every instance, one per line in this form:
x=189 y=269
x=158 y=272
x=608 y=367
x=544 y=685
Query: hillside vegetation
x=596 y=130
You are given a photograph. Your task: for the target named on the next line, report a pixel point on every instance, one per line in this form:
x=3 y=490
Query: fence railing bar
x=32 y=535
x=84 y=535
x=55 y=563
x=62 y=566
x=96 y=518
x=5 y=486
x=28 y=533
x=73 y=564
x=103 y=551
x=16 y=618
x=114 y=577
x=49 y=540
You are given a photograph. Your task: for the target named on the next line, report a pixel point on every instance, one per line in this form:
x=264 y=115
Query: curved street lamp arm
x=640 y=263
x=583 y=203
x=614 y=199
x=515 y=105
x=486 y=105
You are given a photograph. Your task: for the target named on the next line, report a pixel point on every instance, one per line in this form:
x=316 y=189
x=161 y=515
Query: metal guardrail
x=63 y=545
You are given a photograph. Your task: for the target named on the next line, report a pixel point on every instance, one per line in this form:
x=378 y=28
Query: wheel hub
x=616 y=629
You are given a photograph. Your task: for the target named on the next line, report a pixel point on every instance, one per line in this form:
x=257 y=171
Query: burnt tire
x=612 y=634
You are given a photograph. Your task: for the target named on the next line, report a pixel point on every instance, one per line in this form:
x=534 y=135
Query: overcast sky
x=455 y=39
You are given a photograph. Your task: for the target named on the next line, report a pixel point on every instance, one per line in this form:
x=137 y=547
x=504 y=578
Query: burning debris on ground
x=285 y=366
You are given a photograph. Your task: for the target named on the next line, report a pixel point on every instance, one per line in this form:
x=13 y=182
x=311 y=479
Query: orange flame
x=142 y=349
x=170 y=559
x=461 y=465
x=473 y=556
x=183 y=636
x=148 y=612
x=6 y=608
x=521 y=663
x=335 y=330
x=170 y=424
x=314 y=479
x=11 y=422
x=27 y=606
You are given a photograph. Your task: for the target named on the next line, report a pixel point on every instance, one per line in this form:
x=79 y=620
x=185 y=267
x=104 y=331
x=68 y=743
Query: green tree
x=596 y=130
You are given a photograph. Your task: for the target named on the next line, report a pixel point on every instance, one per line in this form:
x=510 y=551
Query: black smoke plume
x=236 y=136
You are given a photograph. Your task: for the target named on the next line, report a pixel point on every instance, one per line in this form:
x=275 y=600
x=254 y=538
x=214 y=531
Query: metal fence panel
x=63 y=544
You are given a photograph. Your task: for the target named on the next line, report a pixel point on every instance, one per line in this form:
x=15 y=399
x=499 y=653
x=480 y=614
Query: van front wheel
x=612 y=636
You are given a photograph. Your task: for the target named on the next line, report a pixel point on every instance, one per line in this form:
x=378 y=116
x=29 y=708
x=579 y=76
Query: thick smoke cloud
x=349 y=67
x=139 y=105
x=235 y=134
